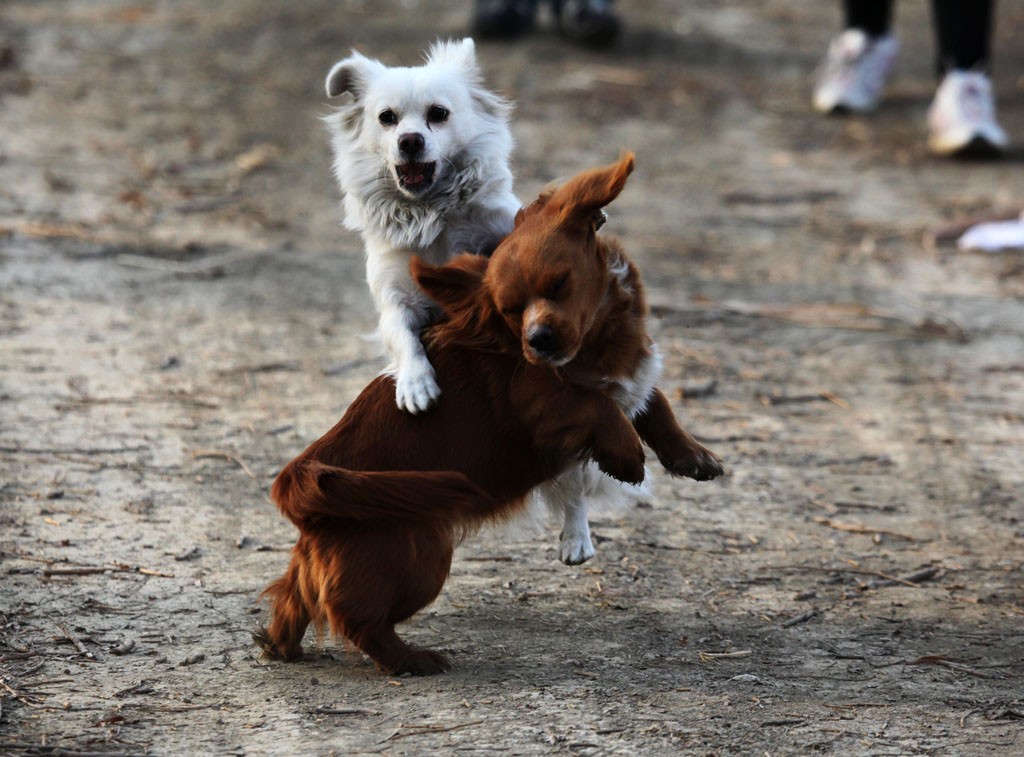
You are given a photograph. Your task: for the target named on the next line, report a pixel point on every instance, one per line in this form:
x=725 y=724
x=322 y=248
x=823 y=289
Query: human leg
x=962 y=117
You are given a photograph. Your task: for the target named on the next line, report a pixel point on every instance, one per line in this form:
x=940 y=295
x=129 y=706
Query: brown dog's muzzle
x=544 y=344
x=543 y=340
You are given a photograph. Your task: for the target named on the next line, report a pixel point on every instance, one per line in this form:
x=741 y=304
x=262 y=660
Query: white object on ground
x=993 y=237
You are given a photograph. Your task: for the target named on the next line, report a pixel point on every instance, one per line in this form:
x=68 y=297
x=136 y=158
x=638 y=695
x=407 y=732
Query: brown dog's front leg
x=680 y=453
x=586 y=421
x=617 y=449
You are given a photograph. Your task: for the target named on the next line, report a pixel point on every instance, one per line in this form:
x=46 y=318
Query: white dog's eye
x=387 y=118
x=437 y=114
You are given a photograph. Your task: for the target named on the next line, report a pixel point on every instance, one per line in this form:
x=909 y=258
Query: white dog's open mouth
x=415 y=177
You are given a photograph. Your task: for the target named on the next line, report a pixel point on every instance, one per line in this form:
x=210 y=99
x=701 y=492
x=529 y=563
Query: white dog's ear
x=453 y=286
x=492 y=104
x=350 y=75
x=461 y=54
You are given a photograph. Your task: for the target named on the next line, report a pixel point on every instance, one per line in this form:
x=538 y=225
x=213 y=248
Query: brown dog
x=382 y=498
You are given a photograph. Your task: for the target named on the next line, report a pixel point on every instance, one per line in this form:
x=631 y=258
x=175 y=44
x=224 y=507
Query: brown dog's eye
x=512 y=312
x=387 y=118
x=557 y=286
x=437 y=114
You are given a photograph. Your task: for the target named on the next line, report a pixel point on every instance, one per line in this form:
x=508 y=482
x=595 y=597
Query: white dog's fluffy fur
x=466 y=205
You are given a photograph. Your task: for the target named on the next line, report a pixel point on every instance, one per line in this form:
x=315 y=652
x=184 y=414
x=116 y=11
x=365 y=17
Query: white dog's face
x=418 y=122
x=417 y=119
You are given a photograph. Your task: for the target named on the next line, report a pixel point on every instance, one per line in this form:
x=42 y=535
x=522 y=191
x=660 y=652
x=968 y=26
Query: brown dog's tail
x=309 y=492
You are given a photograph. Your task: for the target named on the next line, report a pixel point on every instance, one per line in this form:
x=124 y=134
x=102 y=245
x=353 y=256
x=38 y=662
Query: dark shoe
x=588 y=22
x=503 y=19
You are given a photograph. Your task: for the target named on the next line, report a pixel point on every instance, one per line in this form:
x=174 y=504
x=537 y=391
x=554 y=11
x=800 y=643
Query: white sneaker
x=854 y=71
x=962 y=117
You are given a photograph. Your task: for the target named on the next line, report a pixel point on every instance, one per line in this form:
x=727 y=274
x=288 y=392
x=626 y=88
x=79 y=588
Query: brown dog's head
x=547 y=278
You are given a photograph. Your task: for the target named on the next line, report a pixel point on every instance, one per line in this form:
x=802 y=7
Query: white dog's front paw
x=575 y=547
x=416 y=390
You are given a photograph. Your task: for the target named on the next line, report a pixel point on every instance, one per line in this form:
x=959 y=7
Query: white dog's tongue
x=415 y=172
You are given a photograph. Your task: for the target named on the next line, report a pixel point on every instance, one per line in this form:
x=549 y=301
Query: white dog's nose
x=411 y=144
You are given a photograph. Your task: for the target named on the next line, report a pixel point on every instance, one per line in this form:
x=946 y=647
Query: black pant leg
x=963 y=31
x=873 y=17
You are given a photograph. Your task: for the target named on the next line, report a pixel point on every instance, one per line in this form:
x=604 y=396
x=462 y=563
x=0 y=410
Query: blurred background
x=146 y=120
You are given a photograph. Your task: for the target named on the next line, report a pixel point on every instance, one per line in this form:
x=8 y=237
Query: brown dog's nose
x=542 y=339
x=410 y=144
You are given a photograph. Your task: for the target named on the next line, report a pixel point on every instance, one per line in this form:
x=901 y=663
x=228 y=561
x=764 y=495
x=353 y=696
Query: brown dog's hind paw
x=271 y=651
x=423 y=662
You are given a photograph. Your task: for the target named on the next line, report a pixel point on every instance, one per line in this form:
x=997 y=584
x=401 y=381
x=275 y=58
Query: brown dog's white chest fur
x=632 y=392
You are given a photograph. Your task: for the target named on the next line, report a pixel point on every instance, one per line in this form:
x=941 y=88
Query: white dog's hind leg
x=566 y=494
x=573 y=494
x=575 y=545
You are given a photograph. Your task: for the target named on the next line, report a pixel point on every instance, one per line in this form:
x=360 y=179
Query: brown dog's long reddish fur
x=382 y=498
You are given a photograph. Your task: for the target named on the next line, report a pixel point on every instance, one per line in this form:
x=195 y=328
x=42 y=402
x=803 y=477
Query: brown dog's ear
x=580 y=198
x=454 y=284
x=537 y=206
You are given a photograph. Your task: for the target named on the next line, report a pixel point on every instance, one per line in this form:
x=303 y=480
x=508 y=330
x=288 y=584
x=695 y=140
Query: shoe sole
x=978 y=148
x=841 y=108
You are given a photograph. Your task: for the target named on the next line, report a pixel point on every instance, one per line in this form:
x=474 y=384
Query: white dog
x=421 y=155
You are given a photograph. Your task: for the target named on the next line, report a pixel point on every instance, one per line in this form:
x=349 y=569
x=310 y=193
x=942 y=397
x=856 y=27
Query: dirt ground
x=181 y=313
